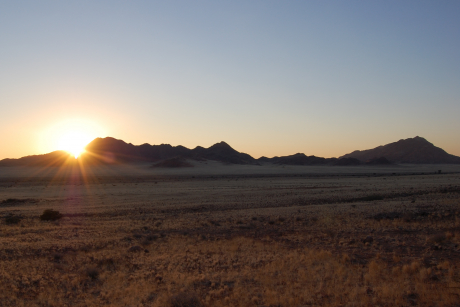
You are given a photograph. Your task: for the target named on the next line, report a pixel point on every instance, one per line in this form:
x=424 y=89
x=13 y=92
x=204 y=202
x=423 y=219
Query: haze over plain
x=321 y=77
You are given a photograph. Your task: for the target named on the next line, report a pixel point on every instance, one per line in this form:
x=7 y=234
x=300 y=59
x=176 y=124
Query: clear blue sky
x=268 y=77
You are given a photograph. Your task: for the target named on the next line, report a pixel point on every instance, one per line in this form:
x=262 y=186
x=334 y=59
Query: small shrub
x=12 y=219
x=57 y=257
x=185 y=300
x=50 y=215
x=92 y=273
x=135 y=248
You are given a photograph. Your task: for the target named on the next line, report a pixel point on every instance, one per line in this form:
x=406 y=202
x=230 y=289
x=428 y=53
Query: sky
x=270 y=78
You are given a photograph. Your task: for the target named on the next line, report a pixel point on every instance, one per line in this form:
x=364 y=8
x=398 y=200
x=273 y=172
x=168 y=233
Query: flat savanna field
x=219 y=235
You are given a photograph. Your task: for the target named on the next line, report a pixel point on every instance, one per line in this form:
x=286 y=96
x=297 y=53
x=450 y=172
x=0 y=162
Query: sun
x=71 y=135
x=74 y=142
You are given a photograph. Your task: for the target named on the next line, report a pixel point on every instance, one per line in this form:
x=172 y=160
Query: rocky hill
x=119 y=151
x=297 y=159
x=412 y=150
x=55 y=158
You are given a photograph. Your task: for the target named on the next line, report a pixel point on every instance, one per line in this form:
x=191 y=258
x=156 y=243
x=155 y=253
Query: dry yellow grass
x=232 y=241
x=235 y=272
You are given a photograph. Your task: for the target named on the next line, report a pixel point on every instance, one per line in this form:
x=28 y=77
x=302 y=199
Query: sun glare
x=74 y=142
x=71 y=135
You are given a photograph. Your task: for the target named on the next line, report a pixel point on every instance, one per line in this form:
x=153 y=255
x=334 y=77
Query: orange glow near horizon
x=71 y=135
x=74 y=142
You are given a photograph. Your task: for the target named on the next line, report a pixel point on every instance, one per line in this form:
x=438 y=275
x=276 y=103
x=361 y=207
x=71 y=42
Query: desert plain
x=230 y=235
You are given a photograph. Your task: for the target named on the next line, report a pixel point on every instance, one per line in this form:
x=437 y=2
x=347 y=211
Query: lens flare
x=73 y=142
x=71 y=135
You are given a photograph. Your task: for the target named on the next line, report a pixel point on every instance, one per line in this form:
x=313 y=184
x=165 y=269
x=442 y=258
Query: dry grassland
x=285 y=239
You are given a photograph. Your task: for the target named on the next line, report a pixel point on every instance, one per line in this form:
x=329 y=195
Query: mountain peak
x=221 y=145
x=106 y=142
x=416 y=139
x=411 y=150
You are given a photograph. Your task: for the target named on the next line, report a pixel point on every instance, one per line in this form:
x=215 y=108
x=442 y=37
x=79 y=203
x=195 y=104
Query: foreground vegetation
x=237 y=272
x=336 y=241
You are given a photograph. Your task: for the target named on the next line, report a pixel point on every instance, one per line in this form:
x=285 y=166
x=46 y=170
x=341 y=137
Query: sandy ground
x=203 y=168
x=395 y=216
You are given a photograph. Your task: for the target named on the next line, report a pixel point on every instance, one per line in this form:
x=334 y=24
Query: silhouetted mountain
x=264 y=159
x=55 y=158
x=113 y=150
x=119 y=151
x=297 y=159
x=224 y=153
x=109 y=150
x=412 y=150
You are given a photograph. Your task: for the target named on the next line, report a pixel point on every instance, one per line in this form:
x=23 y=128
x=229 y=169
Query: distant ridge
x=415 y=150
x=298 y=159
x=224 y=153
x=113 y=151
x=119 y=151
x=55 y=158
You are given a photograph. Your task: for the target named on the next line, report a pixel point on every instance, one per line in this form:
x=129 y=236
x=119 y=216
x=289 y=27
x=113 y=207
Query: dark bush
x=50 y=215
x=185 y=300
x=58 y=257
x=135 y=248
x=13 y=219
x=92 y=273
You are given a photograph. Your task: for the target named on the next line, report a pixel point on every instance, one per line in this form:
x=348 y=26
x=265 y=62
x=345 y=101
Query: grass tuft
x=50 y=215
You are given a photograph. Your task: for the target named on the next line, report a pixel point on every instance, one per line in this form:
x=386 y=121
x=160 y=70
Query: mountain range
x=110 y=150
x=415 y=150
